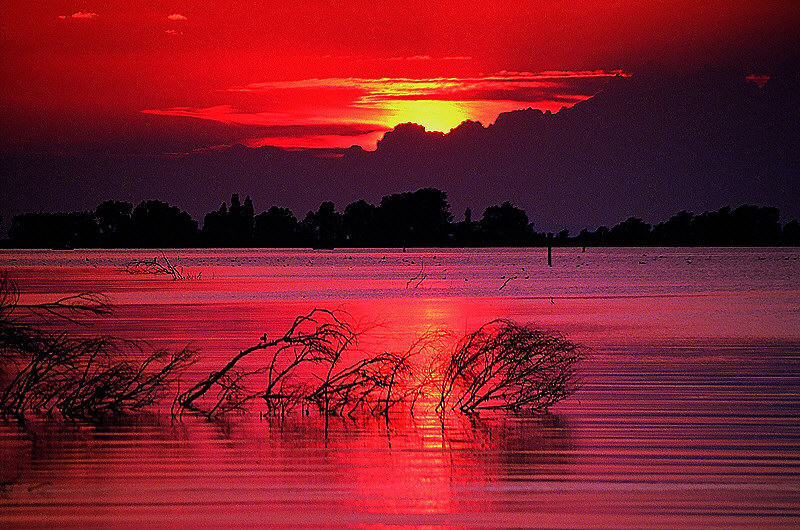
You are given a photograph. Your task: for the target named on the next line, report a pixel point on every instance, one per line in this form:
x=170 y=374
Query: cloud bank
x=374 y=105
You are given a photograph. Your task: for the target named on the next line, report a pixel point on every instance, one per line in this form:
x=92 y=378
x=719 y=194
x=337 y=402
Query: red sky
x=148 y=77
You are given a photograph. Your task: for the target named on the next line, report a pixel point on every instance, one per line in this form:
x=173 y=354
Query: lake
x=687 y=415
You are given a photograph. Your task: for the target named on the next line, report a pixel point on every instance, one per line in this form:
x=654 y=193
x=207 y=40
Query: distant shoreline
x=419 y=219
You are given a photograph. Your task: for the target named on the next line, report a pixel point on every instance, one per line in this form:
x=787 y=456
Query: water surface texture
x=688 y=414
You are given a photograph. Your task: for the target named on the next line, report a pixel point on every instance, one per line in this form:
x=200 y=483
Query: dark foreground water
x=688 y=414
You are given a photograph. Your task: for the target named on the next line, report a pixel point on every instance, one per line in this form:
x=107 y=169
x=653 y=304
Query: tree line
x=411 y=219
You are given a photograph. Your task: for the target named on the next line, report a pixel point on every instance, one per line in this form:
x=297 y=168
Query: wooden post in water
x=550 y=249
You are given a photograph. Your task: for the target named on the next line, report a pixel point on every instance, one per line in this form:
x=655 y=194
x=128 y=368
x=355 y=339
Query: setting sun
x=434 y=115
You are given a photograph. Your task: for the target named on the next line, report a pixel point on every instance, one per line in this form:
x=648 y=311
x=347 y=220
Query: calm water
x=688 y=414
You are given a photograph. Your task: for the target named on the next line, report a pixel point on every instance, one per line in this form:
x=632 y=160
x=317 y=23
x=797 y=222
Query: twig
x=419 y=278
x=138 y=266
x=506 y=282
x=77 y=378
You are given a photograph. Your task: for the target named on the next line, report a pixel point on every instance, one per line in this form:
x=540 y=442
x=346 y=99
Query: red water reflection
x=687 y=415
x=415 y=471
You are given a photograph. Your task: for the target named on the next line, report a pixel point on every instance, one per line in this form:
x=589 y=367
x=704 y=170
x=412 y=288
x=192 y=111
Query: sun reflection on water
x=687 y=416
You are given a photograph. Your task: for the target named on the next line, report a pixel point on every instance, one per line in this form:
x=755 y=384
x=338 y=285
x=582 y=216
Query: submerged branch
x=156 y=266
x=367 y=383
x=312 y=338
x=57 y=373
x=504 y=365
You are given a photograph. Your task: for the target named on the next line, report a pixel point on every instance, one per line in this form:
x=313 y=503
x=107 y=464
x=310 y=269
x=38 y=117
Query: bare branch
x=164 y=266
x=504 y=365
x=312 y=338
x=78 y=378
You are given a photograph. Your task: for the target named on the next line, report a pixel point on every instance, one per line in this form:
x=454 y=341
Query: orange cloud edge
x=343 y=112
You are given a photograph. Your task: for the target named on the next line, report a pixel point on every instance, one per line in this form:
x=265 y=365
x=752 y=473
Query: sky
x=167 y=78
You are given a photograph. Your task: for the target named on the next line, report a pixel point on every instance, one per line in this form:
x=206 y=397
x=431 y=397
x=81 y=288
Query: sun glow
x=340 y=112
x=434 y=115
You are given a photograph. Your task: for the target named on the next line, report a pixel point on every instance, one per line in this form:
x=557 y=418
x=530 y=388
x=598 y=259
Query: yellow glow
x=434 y=115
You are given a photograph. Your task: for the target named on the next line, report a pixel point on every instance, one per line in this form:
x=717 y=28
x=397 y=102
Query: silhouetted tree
x=240 y=222
x=751 y=225
x=709 y=227
x=114 y=222
x=236 y=206
x=277 y=227
x=246 y=219
x=230 y=227
x=791 y=233
x=358 y=224
x=465 y=232
x=505 y=225
x=215 y=227
x=156 y=224
x=54 y=230
x=323 y=228
x=597 y=238
x=746 y=225
x=421 y=218
x=433 y=217
x=632 y=231
x=394 y=218
x=676 y=231
x=584 y=237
